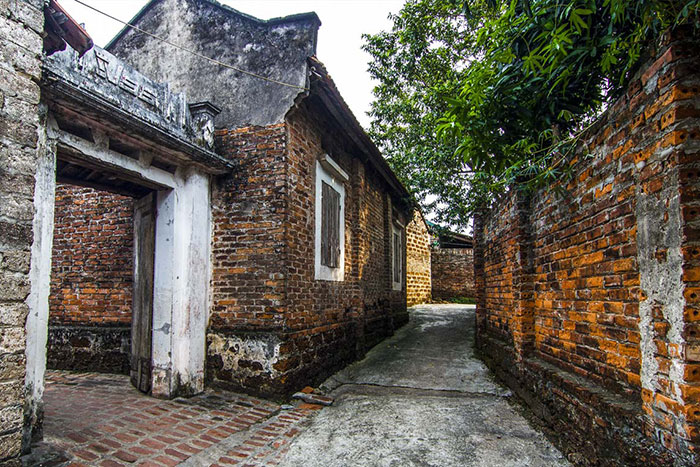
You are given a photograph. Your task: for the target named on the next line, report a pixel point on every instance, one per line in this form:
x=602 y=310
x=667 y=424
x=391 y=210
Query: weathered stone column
x=181 y=285
x=21 y=26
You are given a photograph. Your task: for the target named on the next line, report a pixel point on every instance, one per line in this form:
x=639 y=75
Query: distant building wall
x=91 y=281
x=452 y=272
x=418 y=277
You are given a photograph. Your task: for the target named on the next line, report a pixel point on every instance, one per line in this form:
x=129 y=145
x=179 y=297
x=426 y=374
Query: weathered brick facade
x=273 y=327
x=587 y=304
x=91 y=280
x=452 y=272
x=21 y=26
x=418 y=272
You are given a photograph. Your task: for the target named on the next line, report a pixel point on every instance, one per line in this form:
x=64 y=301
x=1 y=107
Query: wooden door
x=142 y=308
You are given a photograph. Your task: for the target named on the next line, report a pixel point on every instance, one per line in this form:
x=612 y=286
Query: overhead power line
x=190 y=51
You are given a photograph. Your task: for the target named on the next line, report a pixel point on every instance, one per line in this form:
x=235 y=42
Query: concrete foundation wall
x=104 y=349
x=418 y=269
x=587 y=303
x=21 y=25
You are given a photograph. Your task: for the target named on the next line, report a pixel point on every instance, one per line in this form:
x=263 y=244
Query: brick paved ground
x=100 y=419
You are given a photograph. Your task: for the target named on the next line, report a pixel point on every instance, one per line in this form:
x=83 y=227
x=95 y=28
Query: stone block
x=12 y=367
x=18 y=132
x=16 y=158
x=13 y=314
x=11 y=392
x=12 y=339
x=15 y=261
x=11 y=416
x=21 y=36
x=15 y=235
x=13 y=286
x=16 y=207
x=10 y=445
x=19 y=184
x=17 y=85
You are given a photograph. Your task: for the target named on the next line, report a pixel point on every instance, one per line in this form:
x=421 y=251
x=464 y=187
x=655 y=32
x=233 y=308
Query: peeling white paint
x=181 y=285
x=661 y=280
x=40 y=277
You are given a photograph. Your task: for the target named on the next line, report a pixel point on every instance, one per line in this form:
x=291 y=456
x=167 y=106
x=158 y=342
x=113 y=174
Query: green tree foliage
x=478 y=96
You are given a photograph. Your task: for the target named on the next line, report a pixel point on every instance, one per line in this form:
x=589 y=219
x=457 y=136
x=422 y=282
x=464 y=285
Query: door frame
x=181 y=263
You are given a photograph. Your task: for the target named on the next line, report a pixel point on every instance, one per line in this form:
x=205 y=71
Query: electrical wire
x=185 y=49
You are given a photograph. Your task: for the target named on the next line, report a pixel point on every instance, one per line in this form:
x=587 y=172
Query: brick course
x=418 y=261
x=452 y=272
x=585 y=303
x=21 y=25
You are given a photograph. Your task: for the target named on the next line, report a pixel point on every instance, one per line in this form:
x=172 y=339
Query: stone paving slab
x=100 y=419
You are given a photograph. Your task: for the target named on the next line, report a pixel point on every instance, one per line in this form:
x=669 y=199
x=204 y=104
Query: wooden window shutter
x=397 y=257
x=330 y=226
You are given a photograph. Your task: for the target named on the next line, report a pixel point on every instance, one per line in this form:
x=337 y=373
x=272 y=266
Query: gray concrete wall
x=276 y=49
x=21 y=24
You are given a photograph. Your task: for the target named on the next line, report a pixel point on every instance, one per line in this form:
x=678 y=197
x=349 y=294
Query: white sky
x=339 y=39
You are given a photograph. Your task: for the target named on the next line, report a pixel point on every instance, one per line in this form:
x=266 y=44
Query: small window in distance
x=329 y=212
x=397 y=258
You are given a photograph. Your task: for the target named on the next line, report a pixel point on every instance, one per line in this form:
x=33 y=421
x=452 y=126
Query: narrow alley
x=421 y=398
x=418 y=398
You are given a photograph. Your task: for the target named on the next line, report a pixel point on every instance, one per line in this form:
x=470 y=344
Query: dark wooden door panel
x=142 y=308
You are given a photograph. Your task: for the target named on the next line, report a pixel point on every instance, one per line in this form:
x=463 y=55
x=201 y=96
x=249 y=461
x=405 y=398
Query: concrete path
x=421 y=398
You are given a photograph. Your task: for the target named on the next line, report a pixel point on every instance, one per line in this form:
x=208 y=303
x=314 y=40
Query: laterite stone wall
x=588 y=303
x=418 y=272
x=91 y=280
x=21 y=27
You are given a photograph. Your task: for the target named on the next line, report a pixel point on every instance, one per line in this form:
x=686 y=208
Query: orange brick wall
x=92 y=262
x=602 y=283
x=418 y=272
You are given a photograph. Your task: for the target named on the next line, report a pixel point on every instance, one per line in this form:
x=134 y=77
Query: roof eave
x=331 y=97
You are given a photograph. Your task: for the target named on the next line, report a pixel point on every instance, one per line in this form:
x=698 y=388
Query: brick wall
x=334 y=323
x=21 y=24
x=273 y=328
x=248 y=279
x=418 y=275
x=452 y=272
x=92 y=262
x=587 y=303
x=91 y=281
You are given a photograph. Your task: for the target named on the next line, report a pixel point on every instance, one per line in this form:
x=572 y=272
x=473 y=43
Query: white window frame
x=331 y=173
x=397 y=229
